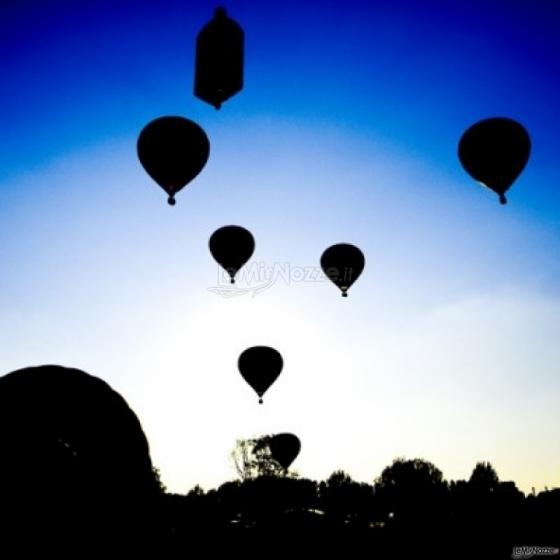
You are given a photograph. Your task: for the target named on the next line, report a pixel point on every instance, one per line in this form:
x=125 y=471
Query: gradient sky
x=448 y=347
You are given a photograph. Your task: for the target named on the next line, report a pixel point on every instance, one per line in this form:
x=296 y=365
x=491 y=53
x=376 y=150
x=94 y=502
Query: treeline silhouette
x=76 y=477
x=409 y=506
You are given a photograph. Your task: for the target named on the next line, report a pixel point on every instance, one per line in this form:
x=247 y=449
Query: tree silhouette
x=345 y=500
x=159 y=486
x=484 y=477
x=410 y=489
x=252 y=458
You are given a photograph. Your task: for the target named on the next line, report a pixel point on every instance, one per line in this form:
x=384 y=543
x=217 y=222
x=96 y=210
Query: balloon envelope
x=73 y=450
x=494 y=152
x=231 y=247
x=260 y=366
x=343 y=263
x=284 y=448
x=173 y=151
x=219 y=60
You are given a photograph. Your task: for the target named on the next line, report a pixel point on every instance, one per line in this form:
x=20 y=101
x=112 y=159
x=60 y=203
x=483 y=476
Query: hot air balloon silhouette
x=343 y=263
x=284 y=448
x=173 y=151
x=219 y=59
x=494 y=152
x=231 y=247
x=260 y=366
x=75 y=460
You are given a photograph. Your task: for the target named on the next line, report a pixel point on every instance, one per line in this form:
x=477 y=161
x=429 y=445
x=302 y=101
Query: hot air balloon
x=284 y=448
x=219 y=60
x=75 y=460
x=343 y=264
x=260 y=366
x=231 y=247
x=494 y=152
x=173 y=151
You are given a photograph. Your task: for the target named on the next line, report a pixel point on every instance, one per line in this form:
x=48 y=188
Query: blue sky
x=347 y=129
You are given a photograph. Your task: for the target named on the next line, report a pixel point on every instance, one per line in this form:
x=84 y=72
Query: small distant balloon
x=231 y=247
x=494 y=152
x=173 y=151
x=260 y=366
x=342 y=264
x=219 y=59
x=284 y=448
